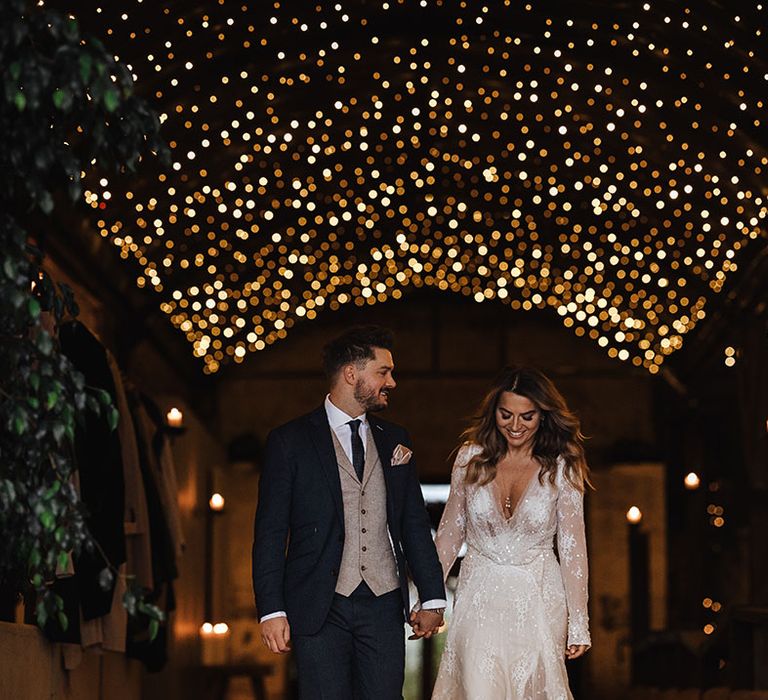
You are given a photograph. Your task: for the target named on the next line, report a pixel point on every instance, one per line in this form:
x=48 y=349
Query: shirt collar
x=337 y=417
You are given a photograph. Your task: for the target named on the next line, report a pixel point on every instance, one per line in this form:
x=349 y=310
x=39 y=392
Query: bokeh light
x=603 y=162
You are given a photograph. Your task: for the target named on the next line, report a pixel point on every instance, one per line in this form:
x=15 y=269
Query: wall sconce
x=216 y=503
x=692 y=481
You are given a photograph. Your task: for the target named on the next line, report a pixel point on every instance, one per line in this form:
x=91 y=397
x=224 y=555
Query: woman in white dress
x=517 y=489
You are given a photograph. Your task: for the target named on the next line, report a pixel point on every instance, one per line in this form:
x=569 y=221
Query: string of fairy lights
x=603 y=163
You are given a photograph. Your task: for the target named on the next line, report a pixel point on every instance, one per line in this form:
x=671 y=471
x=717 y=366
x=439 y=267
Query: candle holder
x=214 y=641
x=174 y=422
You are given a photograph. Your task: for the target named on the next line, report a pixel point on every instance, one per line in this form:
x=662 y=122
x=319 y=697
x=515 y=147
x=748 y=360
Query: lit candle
x=215 y=643
x=175 y=418
x=216 y=502
x=634 y=515
x=692 y=481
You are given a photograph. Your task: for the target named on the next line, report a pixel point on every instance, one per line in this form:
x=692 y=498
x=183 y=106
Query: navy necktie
x=358 y=454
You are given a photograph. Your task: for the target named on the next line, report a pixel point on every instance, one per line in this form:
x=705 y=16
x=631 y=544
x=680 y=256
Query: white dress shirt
x=338 y=420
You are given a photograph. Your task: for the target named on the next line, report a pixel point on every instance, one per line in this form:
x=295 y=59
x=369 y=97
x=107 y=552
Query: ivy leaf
x=63 y=621
x=34 y=558
x=154 y=628
x=33 y=306
x=75 y=190
x=53 y=490
x=111 y=99
x=20 y=421
x=41 y=613
x=58 y=430
x=47 y=519
x=9 y=267
x=86 y=63
x=106 y=578
x=45 y=202
x=20 y=100
x=104 y=397
x=129 y=602
x=113 y=418
x=63 y=560
x=52 y=398
x=44 y=343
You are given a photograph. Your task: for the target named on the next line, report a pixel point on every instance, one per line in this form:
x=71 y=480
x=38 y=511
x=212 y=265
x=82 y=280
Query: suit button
x=365 y=549
x=333 y=572
x=362 y=493
x=362 y=568
x=363 y=530
x=363 y=511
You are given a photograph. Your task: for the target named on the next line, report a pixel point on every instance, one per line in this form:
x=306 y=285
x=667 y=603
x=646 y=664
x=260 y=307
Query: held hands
x=425 y=623
x=576 y=650
x=276 y=634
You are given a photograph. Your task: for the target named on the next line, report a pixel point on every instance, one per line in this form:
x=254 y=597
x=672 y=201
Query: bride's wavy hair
x=559 y=433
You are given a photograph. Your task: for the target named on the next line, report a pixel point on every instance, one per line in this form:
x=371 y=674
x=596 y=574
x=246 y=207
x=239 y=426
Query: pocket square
x=401 y=455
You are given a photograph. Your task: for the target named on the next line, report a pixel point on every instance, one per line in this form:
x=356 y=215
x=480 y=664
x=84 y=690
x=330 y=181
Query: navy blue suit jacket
x=299 y=528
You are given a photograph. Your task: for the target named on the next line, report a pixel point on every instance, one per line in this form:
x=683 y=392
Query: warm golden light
x=216 y=502
x=634 y=515
x=175 y=418
x=214 y=639
x=692 y=481
x=346 y=165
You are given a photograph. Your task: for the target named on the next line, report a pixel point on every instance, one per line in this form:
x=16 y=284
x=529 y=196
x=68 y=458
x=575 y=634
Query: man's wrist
x=272 y=616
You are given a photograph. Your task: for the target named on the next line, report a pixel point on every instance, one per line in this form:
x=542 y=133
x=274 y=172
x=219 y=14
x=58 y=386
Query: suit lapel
x=321 y=437
x=384 y=449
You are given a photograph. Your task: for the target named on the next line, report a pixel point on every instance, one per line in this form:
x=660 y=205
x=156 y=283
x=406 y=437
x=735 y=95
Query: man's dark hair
x=354 y=346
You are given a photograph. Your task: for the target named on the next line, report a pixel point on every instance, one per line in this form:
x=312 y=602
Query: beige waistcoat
x=367 y=554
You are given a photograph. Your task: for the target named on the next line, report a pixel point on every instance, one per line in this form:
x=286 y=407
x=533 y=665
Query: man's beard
x=368 y=398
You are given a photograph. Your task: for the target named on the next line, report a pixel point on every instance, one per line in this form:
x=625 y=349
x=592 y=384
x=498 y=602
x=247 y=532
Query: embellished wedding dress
x=516 y=608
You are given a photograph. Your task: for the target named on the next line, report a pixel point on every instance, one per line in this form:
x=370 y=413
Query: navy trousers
x=358 y=654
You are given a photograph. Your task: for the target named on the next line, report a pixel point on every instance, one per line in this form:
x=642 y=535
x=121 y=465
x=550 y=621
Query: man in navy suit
x=340 y=523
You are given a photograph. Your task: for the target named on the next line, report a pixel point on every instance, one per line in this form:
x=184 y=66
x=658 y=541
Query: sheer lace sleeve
x=572 y=550
x=452 y=530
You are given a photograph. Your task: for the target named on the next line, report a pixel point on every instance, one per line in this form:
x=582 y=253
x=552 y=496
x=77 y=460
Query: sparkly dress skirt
x=506 y=638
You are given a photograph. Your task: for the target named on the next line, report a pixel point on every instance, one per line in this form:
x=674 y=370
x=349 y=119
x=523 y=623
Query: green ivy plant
x=66 y=106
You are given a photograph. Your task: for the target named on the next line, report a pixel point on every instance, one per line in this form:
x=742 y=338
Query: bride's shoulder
x=466 y=452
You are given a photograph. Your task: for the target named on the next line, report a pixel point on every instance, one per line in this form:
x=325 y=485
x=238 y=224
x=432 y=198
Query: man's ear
x=349 y=373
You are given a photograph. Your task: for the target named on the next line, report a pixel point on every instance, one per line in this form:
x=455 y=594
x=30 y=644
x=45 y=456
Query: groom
x=339 y=518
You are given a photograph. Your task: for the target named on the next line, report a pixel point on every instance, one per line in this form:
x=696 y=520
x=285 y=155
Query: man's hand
x=276 y=634
x=425 y=623
x=576 y=650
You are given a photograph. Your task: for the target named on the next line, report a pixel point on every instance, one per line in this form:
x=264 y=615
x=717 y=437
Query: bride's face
x=517 y=419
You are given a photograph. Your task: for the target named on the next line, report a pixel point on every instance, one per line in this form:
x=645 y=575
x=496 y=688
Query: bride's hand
x=576 y=650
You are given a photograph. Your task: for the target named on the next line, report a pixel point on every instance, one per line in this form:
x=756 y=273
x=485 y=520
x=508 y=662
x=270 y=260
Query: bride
x=516 y=489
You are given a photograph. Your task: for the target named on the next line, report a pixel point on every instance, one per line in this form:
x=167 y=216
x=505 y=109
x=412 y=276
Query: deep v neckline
x=495 y=493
